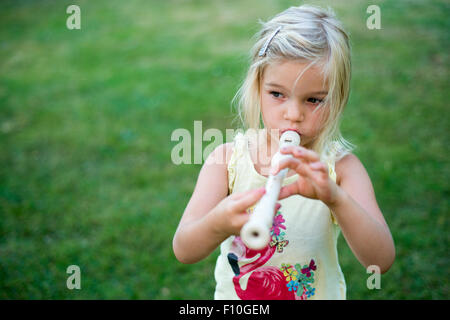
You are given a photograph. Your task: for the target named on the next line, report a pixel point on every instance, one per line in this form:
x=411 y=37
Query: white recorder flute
x=256 y=232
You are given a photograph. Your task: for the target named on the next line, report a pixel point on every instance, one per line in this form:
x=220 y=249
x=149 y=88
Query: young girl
x=298 y=80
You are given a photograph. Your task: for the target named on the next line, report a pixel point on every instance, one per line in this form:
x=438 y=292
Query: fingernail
x=315 y=165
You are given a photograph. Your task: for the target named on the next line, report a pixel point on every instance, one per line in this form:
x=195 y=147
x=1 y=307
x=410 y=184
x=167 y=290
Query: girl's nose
x=294 y=112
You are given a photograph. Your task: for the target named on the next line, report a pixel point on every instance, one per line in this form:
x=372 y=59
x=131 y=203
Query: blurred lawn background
x=86 y=118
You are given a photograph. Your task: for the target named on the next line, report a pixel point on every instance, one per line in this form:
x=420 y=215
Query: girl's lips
x=283 y=131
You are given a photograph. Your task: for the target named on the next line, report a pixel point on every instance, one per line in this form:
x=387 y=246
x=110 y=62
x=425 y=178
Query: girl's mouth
x=289 y=129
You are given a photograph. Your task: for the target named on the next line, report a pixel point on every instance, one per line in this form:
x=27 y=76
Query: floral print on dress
x=300 y=279
x=277 y=236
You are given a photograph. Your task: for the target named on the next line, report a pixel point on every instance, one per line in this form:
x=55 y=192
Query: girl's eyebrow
x=273 y=84
x=319 y=92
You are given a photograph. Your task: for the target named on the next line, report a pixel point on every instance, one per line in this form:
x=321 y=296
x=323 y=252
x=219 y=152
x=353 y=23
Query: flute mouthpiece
x=290 y=138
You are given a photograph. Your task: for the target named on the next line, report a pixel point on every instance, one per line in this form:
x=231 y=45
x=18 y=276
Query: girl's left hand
x=313 y=181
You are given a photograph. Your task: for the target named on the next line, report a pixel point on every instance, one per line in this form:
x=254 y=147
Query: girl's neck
x=262 y=148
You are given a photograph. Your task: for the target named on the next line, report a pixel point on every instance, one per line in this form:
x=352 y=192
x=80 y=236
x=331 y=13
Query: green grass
x=86 y=118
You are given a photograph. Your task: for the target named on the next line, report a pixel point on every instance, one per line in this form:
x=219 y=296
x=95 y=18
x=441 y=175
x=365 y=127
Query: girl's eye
x=276 y=94
x=315 y=100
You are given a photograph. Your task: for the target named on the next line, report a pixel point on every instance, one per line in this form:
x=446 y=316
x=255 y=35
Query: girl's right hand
x=231 y=213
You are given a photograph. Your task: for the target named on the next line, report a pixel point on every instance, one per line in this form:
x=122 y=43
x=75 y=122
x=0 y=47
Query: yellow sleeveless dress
x=301 y=260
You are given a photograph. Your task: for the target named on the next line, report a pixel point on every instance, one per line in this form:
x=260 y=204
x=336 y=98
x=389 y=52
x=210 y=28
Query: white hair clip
x=263 y=50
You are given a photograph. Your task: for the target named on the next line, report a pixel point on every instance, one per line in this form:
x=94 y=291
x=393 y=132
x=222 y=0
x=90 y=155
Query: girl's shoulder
x=230 y=151
x=221 y=155
x=346 y=166
x=354 y=179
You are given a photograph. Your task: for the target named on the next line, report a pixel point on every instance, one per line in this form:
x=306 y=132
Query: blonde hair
x=309 y=34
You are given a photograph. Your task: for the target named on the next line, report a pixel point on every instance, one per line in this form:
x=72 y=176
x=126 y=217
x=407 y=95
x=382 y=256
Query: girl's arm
x=359 y=216
x=211 y=216
x=352 y=200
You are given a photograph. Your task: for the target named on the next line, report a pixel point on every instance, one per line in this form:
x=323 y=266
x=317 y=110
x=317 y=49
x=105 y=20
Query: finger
x=299 y=166
x=308 y=172
x=248 y=200
x=287 y=149
x=320 y=172
x=277 y=207
x=318 y=166
x=291 y=163
x=240 y=220
x=317 y=178
x=240 y=195
x=288 y=191
x=301 y=153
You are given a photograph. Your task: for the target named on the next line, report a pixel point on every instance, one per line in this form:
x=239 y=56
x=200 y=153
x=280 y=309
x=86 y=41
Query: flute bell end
x=255 y=236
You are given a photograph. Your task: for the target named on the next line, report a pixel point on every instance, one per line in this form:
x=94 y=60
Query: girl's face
x=284 y=107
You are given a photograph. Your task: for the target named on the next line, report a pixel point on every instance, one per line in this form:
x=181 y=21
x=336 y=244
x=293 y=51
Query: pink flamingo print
x=264 y=283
